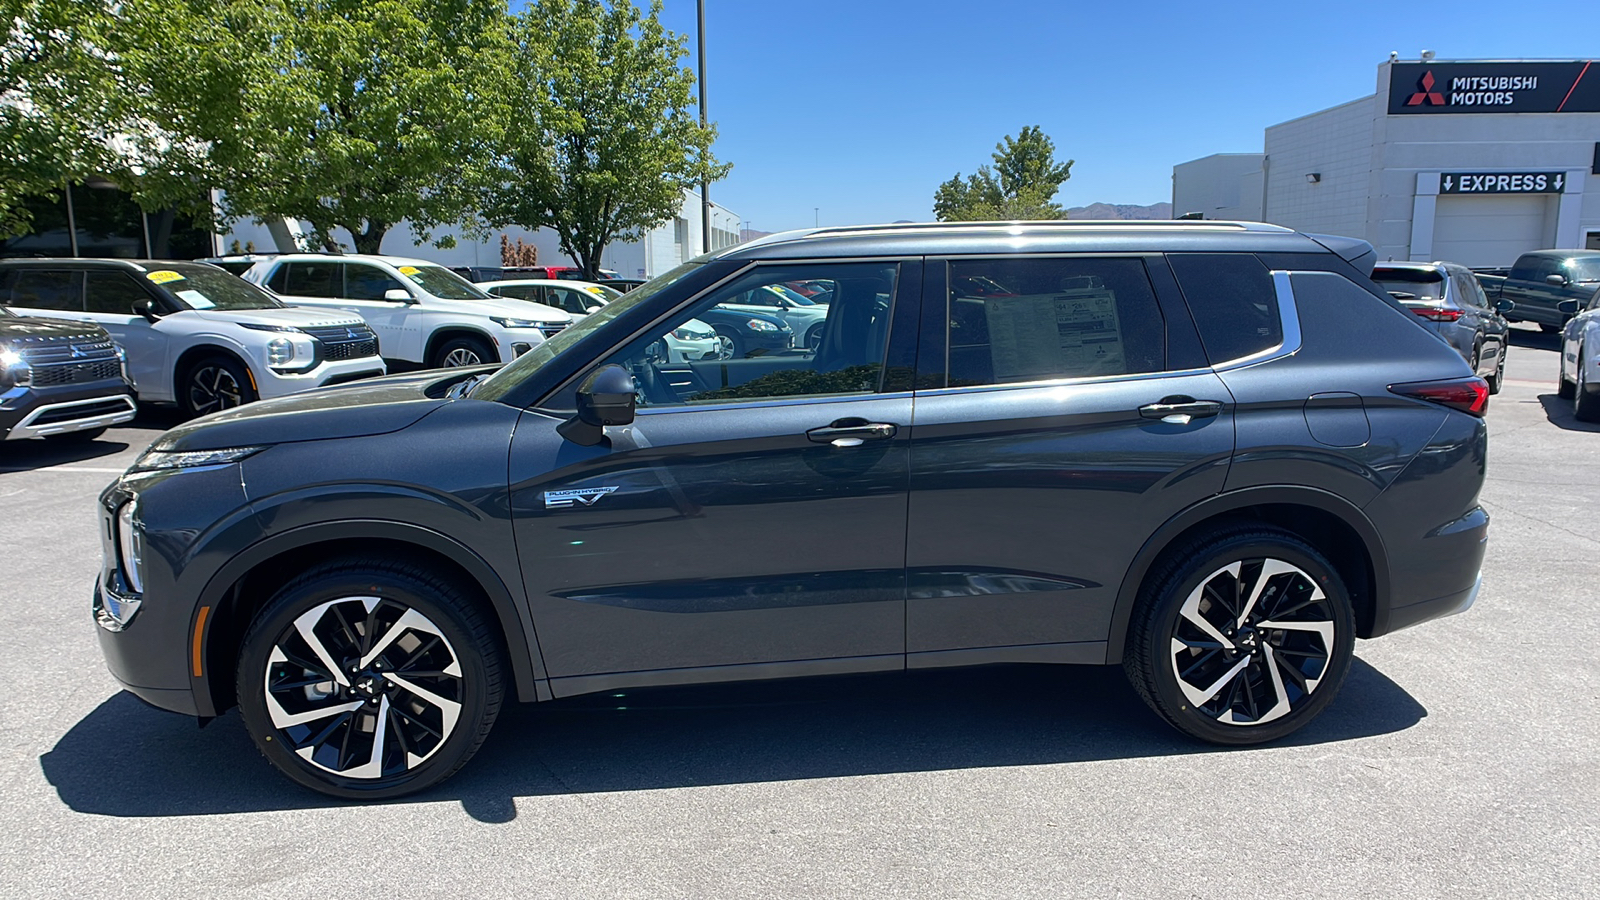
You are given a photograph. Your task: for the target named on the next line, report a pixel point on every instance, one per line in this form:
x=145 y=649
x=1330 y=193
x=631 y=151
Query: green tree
x=353 y=114
x=62 y=100
x=614 y=140
x=1021 y=185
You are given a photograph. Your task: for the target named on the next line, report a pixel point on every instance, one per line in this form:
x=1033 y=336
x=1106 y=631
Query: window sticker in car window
x=162 y=276
x=196 y=299
x=1040 y=336
x=411 y=272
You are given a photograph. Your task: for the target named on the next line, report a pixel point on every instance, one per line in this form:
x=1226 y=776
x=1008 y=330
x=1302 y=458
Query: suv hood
x=372 y=406
x=504 y=307
x=28 y=326
x=294 y=316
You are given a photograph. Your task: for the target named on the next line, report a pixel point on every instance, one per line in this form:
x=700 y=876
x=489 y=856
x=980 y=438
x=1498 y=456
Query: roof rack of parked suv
x=1084 y=224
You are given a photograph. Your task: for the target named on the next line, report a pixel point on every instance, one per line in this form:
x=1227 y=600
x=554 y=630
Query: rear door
x=1068 y=414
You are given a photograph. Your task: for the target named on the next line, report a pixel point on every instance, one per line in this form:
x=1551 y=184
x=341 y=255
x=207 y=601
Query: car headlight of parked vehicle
x=514 y=323
x=759 y=325
x=279 y=351
x=157 y=460
x=14 y=370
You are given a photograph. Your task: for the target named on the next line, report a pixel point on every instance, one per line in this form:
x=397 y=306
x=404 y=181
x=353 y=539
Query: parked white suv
x=424 y=313
x=194 y=334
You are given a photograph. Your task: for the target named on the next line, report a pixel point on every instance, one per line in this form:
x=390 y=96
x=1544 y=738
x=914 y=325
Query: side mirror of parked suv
x=143 y=308
x=1555 y=279
x=398 y=295
x=1568 y=307
x=606 y=398
x=1505 y=305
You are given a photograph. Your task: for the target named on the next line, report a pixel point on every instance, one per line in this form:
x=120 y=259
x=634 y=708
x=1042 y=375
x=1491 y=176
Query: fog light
x=519 y=349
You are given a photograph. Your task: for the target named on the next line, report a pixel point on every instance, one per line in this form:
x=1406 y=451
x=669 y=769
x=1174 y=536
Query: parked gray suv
x=1214 y=454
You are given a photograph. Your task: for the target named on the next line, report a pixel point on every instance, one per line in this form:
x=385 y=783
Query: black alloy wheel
x=369 y=680
x=214 y=384
x=463 y=352
x=1585 y=405
x=1242 y=637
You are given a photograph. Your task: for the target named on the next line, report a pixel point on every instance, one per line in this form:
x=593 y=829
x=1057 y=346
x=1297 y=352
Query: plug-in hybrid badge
x=585 y=496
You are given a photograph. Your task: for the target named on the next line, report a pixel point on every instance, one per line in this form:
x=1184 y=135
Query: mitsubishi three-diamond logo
x=1427 y=94
x=575 y=497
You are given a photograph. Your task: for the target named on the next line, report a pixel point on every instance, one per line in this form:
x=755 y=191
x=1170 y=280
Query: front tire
x=1585 y=405
x=728 y=345
x=1499 y=376
x=1242 y=637
x=214 y=384
x=369 y=680
x=463 y=352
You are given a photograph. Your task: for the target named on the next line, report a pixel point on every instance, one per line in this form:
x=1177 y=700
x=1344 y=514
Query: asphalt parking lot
x=1459 y=760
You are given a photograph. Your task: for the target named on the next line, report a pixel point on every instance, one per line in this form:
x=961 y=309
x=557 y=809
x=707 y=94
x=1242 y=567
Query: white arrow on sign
x=1447 y=180
x=1559 y=180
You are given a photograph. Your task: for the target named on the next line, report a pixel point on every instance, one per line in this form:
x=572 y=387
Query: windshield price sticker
x=196 y=299
x=1046 y=335
x=163 y=276
x=1502 y=182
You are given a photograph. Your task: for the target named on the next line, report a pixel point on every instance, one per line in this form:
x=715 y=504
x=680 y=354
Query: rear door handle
x=1180 y=410
x=851 y=432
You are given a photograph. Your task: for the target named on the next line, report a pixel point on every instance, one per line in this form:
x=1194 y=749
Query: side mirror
x=398 y=295
x=1557 y=280
x=1504 y=305
x=1568 y=307
x=143 y=308
x=605 y=398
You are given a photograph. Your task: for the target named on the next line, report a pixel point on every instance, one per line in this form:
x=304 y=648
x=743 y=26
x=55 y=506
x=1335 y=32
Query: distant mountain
x=750 y=234
x=1121 y=211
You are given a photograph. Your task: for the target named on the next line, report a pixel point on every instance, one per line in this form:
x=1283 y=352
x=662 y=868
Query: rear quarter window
x=1233 y=301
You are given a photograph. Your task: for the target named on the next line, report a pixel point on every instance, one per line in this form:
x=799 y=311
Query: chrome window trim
x=771 y=402
x=1062 y=382
x=1288 y=320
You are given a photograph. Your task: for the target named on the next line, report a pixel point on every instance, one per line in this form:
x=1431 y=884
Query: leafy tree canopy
x=1020 y=185
x=611 y=139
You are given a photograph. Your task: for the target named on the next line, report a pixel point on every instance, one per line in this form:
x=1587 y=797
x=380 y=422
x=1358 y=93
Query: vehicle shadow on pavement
x=1559 y=412
x=691 y=736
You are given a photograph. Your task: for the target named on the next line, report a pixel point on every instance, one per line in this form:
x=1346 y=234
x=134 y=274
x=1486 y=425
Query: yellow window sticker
x=163 y=276
x=409 y=270
x=596 y=290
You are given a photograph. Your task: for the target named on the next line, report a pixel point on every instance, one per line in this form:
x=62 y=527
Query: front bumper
x=67 y=416
x=272 y=383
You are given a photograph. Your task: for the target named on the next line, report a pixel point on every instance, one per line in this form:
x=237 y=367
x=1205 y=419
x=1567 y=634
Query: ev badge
x=585 y=496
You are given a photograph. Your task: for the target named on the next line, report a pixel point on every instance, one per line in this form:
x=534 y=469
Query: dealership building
x=1468 y=161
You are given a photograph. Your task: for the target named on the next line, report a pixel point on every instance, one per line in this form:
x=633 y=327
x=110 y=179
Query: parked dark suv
x=59 y=379
x=1212 y=453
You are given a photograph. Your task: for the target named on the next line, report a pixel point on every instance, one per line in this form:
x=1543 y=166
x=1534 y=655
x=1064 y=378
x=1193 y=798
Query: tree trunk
x=370 y=240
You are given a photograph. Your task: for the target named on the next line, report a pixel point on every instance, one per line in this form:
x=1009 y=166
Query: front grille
x=49 y=351
x=339 y=342
x=82 y=411
x=549 y=329
x=76 y=373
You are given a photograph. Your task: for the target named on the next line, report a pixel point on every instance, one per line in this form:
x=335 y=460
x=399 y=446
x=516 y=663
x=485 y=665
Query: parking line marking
x=89 y=470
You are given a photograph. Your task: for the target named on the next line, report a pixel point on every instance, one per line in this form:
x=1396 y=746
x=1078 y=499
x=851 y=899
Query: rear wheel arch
x=238 y=591
x=1337 y=528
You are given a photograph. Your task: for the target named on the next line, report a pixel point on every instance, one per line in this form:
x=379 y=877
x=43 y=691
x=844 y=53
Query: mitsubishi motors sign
x=1502 y=182
x=1493 y=87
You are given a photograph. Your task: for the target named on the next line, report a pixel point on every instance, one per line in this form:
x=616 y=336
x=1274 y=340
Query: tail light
x=1437 y=313
x=1470 y=395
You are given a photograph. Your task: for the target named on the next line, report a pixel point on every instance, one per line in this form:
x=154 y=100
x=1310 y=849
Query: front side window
x=363 y=282
x=719 y=351
x=1583 y=270
x=1233 y=300
x=47 y=289
x=111 y=293
x=312 y=279
x=1019 y=320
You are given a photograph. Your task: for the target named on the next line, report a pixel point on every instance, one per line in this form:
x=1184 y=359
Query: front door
x=753 y=516
x=1059 y=441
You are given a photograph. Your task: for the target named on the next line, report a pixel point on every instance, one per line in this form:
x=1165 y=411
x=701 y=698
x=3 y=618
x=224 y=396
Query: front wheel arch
x=245 y=584
x=1334 y=526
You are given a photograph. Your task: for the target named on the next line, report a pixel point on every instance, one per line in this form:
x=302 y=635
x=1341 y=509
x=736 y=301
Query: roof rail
x=1086 y=224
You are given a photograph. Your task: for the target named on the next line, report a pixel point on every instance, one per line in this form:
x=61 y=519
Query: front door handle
x=1180 y=410
x=851 y=432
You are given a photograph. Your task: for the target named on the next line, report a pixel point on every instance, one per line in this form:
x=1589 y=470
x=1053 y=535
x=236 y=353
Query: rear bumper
x=1437 y=608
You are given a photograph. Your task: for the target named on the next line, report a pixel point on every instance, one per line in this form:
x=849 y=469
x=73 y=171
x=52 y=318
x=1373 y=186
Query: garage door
x=1492 y=230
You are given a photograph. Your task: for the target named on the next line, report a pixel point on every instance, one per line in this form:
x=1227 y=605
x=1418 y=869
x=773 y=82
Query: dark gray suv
x=1212 y=453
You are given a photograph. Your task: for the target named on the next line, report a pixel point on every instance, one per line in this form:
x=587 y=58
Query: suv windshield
x=191 y=286
x=443 y=283
x=498 y=384
x=1584 y=269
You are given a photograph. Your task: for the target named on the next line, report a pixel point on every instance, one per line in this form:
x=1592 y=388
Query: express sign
x=1502 y=182
x=1514 y=87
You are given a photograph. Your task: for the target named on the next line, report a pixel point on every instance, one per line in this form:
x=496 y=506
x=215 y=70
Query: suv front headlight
x=515 y=323
x=158 y=460
x=130 y=546
x=14 y=370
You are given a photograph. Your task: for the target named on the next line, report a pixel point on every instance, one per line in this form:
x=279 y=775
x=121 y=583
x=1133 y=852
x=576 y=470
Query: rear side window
x=314 y=279
x=112 y=292
x=46 y=289
x=1234 y=303
x=1021 y=320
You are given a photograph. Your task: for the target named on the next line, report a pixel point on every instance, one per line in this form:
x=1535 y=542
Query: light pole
x=816 y=217
x=705 y=183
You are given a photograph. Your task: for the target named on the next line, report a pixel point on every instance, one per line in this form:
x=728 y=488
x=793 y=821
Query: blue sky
x=860 y=108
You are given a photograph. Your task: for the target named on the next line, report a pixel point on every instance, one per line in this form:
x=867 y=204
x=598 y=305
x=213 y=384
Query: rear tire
x=1227 y=669
x=347 y=647
x=1499 y=375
